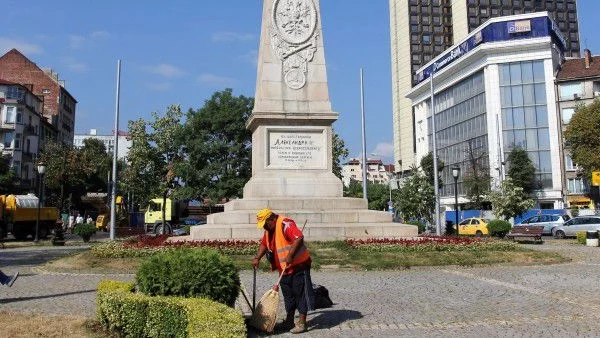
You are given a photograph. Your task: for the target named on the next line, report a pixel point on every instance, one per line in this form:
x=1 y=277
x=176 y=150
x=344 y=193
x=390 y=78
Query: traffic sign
x=596 y=178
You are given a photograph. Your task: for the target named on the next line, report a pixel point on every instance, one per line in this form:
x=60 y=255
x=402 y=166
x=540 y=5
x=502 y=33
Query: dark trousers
x=4 y=279
x=298 y=292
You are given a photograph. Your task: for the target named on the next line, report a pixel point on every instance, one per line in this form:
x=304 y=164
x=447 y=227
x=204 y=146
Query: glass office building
x=494 y=91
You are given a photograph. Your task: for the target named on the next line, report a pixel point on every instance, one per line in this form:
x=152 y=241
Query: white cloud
x=165 y=70
x=76 y=41
x=159 y=86
x=75 y=66
x=231 y=37
x=215 y=80
x=250 y=57
x=99 y=34
x=23 y=47
x=384 y=150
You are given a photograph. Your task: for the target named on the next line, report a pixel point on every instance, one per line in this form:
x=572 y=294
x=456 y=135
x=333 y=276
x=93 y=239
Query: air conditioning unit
x=576 y=97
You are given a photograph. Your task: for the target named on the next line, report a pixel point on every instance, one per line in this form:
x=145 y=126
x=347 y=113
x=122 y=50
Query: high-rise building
x=422 y=29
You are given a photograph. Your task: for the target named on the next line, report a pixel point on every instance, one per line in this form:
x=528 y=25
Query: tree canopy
x=427 y=167
x=510 y=200
x=521 y=170
x=217 y=147
x=583 y=139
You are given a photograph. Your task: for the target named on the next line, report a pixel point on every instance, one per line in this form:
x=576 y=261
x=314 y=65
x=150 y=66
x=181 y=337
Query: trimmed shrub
x=498 y=228
x=581 y=237
x=85 y=230
x=120 y=309
x=190 y=273
x=420 y=225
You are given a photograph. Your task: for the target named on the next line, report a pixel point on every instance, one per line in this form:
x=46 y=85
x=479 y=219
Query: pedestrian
x=8 y=280
x=89 y=220
x=79 y=219
x=71 y=223
x=283 y=243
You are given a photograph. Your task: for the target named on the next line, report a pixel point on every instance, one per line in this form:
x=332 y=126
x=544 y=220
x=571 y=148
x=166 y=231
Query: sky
x=182 y=52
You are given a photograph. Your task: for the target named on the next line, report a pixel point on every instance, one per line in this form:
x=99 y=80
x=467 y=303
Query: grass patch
x=340 y=255
x=43 y=325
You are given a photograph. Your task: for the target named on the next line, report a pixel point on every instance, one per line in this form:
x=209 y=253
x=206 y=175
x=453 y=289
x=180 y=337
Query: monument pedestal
x=326 y=219
x=292 y=140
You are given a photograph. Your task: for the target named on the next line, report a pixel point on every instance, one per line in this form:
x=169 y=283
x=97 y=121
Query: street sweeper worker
x=284 y=242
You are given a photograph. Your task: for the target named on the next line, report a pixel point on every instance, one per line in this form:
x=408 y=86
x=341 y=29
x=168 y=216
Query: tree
x=427 y=167
x=141 y=175
x=416 y=197
x=521 y=170
x=96 y=178
x=583 y=139
x=510 y=200
x=339 y=154
x=165 y=128
x=8 y=177
x=218 y=148
x=477 y=179
x=377 y=194
x=66 y=171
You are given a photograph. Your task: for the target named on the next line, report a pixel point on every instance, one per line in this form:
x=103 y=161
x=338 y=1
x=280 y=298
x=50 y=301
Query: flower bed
x=429 y=243
x=144 y=245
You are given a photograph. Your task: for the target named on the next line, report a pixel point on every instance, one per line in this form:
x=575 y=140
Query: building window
x=570 y=91
x=15 y=93
x=460 y=123
x=18 y=141
x=576 y=186
x=9 y=136
x=569 y=164
x=17 y=167
x=45 y=91
x=10 y=115
x=525 y=114
x=567 y=113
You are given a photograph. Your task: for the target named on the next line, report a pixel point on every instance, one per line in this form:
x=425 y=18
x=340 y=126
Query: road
x=508 y=301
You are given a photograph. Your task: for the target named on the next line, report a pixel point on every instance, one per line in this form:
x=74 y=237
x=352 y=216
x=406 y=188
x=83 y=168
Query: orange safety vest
x=283 y=246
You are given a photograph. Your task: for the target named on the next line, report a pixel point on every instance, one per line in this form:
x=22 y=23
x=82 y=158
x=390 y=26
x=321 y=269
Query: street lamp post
x=41 y=169
x=456 y=174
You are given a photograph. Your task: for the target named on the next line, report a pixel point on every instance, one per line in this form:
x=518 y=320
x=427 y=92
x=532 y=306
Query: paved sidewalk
x=535 y=301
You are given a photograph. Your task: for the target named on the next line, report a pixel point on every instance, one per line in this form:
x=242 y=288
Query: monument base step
x=312 y=231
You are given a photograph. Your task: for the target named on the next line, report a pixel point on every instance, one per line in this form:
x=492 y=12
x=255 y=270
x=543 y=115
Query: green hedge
x=581 y=237
x=136 y=315
x=498 y=228
x=190 y=273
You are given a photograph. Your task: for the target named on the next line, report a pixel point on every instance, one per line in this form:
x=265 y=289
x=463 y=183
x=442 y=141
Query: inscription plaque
x=294 y=149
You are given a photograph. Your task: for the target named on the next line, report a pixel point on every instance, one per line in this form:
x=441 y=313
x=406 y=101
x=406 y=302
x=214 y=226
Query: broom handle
x=254 y=292
x=304 y=225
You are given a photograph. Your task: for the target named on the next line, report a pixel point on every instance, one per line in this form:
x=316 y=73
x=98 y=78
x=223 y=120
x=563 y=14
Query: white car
x=577 y=224
x=549 y=222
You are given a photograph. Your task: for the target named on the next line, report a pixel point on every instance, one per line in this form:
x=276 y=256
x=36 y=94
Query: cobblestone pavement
x=508 y=301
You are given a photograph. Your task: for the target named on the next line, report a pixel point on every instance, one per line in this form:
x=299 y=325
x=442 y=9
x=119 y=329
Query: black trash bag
x=322 y=299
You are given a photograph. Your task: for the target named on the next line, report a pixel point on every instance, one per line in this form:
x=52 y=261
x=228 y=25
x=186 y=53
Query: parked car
x=577 y=224
x=549 y=222
x=473 y=226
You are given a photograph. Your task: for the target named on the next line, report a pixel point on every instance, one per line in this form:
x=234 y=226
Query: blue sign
x=535 y=27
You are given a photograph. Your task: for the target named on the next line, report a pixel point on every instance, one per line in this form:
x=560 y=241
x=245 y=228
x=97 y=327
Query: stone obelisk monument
x=292 y=140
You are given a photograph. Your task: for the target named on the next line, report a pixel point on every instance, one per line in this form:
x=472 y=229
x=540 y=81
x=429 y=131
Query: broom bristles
x=265 y=314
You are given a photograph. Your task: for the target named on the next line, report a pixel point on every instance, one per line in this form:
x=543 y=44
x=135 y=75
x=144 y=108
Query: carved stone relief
x=294 y=39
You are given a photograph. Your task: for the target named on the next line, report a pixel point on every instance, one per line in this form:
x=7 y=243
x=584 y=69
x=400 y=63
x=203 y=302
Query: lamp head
x=455 y=172
x=41 y=168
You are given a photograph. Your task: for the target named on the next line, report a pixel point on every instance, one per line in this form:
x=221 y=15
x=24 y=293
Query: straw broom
x=265 y=313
